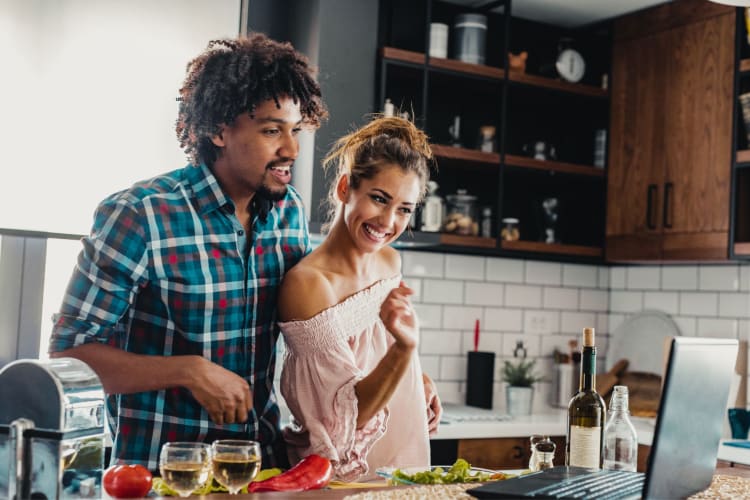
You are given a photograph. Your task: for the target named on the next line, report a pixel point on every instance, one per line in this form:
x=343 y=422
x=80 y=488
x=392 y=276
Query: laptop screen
x=691 y=414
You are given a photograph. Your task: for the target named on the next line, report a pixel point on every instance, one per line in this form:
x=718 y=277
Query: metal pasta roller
x=51 y=430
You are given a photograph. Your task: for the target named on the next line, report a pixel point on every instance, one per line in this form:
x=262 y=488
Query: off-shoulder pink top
x=326 y=356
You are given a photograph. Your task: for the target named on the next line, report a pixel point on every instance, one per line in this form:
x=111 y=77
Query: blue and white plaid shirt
x=167 y=270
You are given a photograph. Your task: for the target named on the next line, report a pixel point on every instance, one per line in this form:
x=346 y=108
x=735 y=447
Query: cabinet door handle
x=650 y=222
x=519 y=452
x=666 y=214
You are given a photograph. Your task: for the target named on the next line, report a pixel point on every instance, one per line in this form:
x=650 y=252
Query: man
x=173 y=299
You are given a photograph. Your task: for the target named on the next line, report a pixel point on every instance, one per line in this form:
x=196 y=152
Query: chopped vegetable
x=311 y=473
x=459 y=472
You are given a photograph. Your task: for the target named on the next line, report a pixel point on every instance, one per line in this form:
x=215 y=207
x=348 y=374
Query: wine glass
x=235 y=463
x=184 y=466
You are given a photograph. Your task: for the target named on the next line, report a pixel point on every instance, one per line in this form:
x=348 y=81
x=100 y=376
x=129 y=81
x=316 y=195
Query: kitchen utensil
x=51 y=430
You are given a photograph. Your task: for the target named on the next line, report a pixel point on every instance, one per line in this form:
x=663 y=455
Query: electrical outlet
x=537 y=322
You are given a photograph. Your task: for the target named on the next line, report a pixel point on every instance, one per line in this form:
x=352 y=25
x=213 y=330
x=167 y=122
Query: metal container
x=469 y=38
x=51 y=430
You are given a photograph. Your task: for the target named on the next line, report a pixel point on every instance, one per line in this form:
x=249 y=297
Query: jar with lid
x=432 y=209
x=461 y=215
x=510 y=230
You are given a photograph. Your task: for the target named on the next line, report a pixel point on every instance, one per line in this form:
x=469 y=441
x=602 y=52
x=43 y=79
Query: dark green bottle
x=586 y=413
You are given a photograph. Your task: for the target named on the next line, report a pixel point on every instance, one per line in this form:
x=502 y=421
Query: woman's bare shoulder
x=391 y=261
x=305 y=291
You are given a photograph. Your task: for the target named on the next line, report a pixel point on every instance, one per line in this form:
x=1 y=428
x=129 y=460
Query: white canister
x=438 y=40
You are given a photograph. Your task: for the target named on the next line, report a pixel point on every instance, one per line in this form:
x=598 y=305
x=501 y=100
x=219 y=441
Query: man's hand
x=434 y=407
x=225 y=395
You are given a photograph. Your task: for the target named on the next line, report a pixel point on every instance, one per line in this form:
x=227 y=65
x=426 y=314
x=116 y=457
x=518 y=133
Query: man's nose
x=289 y=146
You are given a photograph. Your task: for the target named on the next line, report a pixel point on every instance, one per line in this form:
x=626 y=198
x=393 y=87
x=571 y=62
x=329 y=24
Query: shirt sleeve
x=109 y=270
x=318 y=385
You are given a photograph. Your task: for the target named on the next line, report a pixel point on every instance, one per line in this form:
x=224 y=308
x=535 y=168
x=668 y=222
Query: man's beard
x=271 y=194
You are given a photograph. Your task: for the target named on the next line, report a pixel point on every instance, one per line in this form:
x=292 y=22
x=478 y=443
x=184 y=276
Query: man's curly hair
x=233 y=76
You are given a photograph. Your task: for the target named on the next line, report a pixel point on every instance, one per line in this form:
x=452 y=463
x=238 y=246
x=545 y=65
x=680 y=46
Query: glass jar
x=461 y=214
x=510 y=231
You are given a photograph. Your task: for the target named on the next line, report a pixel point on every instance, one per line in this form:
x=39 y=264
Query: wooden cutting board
x=644 y=392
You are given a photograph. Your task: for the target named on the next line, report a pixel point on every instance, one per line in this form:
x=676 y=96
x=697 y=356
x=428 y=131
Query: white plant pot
x=518 y=400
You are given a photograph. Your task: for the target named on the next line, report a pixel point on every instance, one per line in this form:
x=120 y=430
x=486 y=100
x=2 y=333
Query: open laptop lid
x=692 y=409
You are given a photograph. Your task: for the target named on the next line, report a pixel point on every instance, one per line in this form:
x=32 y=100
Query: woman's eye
x=406 y=210
x=378 y=198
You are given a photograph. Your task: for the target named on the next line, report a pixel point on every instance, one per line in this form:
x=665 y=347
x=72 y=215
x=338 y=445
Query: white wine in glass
x=185 y=467
x=235 y=463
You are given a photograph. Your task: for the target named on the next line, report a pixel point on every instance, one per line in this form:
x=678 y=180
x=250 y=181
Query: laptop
x=686 y=436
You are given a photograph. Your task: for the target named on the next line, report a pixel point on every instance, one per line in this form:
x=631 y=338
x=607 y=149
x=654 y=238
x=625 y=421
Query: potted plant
x=520 y=377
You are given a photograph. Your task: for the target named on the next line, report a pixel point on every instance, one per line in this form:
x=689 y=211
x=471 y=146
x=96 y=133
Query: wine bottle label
x=585 y=446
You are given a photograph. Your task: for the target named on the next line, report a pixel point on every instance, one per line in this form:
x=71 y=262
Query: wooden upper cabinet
x=669 y=174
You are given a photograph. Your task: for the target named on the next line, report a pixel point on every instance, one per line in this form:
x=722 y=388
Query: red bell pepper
x=311 y=473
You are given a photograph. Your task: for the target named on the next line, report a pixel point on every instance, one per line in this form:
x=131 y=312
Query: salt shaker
x=542 y=453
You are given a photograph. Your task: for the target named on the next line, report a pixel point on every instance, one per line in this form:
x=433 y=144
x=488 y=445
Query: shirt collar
x=209 y=196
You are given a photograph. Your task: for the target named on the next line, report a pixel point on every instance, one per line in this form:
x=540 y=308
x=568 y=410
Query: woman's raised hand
x=399 y=318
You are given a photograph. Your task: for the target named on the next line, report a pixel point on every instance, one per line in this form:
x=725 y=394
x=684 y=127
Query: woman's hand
x=399 y=318
x=434 y=407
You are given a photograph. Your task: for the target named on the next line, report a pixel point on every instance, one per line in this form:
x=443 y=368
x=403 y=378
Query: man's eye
x=296 y=130
x=271 y=131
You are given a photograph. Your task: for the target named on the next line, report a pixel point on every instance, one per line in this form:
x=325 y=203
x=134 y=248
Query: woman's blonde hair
x=363 y=153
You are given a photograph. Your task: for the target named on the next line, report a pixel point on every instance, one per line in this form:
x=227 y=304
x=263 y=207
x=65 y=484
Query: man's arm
x=225 y=395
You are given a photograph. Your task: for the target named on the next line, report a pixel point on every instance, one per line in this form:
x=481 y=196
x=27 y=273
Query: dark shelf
x=556 y=248
x=472 y=155
x=742 y=248
x=743 y=156
x=468 y=69
x=553 y=166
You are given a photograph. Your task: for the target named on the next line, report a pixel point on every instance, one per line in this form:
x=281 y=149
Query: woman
x=351 y=376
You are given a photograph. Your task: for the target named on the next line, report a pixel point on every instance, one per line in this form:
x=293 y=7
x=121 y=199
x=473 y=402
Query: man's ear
x=342 y=188
x=218 y=139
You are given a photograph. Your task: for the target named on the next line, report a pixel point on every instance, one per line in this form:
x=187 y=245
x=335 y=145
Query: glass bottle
x=542 y=452
x=620 y=440
x=586 y=413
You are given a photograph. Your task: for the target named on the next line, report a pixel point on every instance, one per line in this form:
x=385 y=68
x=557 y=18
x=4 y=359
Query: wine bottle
x=586 y=413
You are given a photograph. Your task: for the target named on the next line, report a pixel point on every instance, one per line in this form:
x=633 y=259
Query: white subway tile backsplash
x=523 y=296
x=734 y=305
x=532 y=343
x=642 y=278
x=488 y=341
x=625 y=302
x=579 y=275
x=594 y=300
x=575 y=322
x=721 y=328
x=453 y=368
x=467 y=267
x=745 y=277
x=543 y=273
x=557 y=341
x=484 y=294
x=547 y=304
x=505 y=270
x=603 y=273
x=503 y=320
x=699 y=303
x=446 y=342
x=461 y=318
x=422 y=264
x=443 y=291
x=430 y=316
x=617 y=278
x=541 y=322
x=667 y=302
x=724 y=278
x=687 y=325
x=560 y=298
x=679 y=278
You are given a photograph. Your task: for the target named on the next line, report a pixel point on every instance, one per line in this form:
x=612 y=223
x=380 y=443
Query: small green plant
x=521 y=374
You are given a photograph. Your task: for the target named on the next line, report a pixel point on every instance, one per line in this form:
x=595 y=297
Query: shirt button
x=240 y=232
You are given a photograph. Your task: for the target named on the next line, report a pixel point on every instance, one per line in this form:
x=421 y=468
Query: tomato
x=127 y=481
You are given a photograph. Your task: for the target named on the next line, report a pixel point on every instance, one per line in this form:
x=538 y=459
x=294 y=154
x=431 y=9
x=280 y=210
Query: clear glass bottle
x=620 y=439
x=586 y=413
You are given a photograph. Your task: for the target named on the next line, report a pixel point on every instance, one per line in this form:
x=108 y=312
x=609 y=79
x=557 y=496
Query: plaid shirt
x=167 y=270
